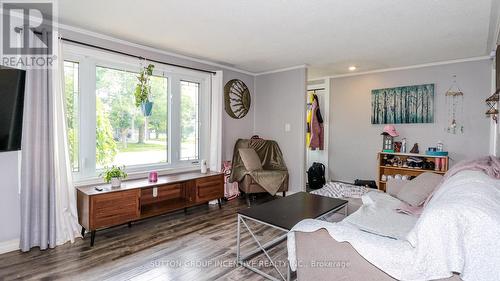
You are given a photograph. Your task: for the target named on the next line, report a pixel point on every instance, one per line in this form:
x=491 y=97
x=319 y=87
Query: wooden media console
x=103 y=206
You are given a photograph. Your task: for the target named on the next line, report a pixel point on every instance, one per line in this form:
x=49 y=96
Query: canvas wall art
x=403 y=105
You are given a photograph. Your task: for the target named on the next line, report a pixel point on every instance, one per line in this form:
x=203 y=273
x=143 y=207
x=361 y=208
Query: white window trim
x=88 y=59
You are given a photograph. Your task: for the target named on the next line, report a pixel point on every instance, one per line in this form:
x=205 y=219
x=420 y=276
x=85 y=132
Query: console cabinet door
x=209 y=188
x=114 y=208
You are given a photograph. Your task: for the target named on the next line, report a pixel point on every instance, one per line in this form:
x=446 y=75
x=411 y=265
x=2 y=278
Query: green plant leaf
x=143 y=88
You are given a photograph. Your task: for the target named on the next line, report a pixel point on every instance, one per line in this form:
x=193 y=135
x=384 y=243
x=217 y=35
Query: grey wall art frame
x=403 y=105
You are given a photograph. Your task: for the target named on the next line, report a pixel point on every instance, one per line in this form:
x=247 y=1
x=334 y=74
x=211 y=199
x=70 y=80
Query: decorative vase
x=116 y=182
x=147 y=108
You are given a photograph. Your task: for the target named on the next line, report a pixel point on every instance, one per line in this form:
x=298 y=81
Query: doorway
x=320 y=88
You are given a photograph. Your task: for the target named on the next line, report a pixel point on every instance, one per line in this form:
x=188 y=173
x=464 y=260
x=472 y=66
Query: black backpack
x=316 y=176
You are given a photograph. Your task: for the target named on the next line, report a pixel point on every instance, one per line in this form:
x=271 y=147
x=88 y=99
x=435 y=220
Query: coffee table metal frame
x=266 y=246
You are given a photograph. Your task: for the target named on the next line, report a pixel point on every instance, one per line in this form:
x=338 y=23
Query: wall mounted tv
x=11 y=108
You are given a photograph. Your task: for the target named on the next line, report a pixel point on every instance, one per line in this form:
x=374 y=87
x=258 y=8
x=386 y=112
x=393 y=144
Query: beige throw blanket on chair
x=274 y=171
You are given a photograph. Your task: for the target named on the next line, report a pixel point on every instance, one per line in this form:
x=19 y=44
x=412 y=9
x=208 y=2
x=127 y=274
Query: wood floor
x=200 y=245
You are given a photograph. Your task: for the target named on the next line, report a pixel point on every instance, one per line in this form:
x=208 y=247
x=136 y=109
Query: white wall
x=281 y=99
x=10 y=211
x=354 y=141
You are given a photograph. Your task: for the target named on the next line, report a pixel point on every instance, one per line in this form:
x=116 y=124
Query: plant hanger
x=143 y=89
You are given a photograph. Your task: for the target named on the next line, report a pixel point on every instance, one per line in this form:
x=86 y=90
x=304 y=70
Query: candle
x=153 y=176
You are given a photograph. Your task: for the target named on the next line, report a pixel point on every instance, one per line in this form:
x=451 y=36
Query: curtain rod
x=318 y=89
x=135 y=56
x=18 y=29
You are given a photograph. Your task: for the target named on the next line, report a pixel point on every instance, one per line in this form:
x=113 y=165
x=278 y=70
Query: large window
x=123 y=135
x=106 y=128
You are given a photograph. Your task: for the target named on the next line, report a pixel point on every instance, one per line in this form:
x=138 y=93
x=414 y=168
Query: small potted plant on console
x=115 y=175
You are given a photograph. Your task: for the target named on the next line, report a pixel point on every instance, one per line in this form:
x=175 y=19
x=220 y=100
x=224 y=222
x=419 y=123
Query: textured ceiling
x=328 y=35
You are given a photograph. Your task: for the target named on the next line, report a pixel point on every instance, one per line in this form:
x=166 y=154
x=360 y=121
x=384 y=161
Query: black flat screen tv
x=11 y=108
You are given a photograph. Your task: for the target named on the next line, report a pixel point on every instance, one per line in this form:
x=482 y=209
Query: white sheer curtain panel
x=216 y=108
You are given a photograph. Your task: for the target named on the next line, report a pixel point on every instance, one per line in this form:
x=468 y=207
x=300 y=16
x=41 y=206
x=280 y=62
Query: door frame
x=325 y=112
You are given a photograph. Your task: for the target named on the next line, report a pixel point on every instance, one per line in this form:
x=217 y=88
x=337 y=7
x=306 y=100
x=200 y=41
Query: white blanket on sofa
x=458 y=231
x=377 y=215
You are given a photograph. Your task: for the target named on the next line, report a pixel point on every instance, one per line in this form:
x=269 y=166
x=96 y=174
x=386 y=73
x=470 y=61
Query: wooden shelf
x=410 y=169
x=393 y=170
x=90 y=190
x=165 y=206
x=412 y=155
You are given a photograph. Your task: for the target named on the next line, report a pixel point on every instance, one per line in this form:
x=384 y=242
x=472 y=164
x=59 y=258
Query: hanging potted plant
x=143 y=90
x=115 y=175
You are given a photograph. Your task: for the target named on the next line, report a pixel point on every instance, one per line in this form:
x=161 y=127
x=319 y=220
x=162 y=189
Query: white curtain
x=67 y=227
x=48 y=200
x=38 y=226
x=215 y=158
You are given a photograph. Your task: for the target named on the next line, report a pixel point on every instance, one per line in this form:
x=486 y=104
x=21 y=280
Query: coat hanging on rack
x=317 y=133
x=310 y=100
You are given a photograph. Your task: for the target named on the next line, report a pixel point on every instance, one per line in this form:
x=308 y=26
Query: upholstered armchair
x=270 y=174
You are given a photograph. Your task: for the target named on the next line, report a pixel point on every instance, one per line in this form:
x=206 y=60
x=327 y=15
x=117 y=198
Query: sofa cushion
x=250 y=159
x=394 y=186
x=415 y=192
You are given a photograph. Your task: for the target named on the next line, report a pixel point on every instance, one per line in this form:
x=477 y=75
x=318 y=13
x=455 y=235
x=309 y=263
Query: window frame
x=193 y=81
x=88 y=59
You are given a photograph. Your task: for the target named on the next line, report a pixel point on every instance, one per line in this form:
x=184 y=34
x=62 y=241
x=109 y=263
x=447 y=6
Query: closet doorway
x=320 y=89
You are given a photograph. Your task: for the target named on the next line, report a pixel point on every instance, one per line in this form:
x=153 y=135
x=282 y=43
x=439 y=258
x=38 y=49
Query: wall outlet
x=155 y=191
x=288 y=127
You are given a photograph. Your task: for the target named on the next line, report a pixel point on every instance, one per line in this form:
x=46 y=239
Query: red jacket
x=317 y=133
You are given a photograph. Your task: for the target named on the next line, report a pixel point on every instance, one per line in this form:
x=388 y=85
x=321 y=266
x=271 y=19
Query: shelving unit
x=384 y=169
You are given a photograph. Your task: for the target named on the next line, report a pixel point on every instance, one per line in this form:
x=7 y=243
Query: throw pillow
x=417 y=190
x=250 y=159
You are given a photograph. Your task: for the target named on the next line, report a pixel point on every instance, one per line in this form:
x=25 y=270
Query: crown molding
x=282 y=69
x=147 y=48
x=403 y=68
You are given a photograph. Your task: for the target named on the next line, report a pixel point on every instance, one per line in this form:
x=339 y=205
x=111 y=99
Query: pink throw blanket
x=489 y=165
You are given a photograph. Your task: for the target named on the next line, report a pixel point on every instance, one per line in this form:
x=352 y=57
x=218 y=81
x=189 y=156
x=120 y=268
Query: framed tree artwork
x=403 y=105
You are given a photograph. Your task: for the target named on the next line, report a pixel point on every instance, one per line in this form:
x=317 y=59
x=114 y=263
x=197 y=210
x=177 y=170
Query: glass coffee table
x=282 y=214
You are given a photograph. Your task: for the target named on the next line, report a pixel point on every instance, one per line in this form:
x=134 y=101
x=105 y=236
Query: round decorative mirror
x=236 y=98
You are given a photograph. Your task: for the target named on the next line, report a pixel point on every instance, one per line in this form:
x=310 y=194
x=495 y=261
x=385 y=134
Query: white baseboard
x=9 y=246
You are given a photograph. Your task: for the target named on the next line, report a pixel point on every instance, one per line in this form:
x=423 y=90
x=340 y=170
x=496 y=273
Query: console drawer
x=209 y=188
x=114 y=208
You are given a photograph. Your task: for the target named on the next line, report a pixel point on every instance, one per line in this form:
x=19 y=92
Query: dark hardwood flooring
x=199 y=245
